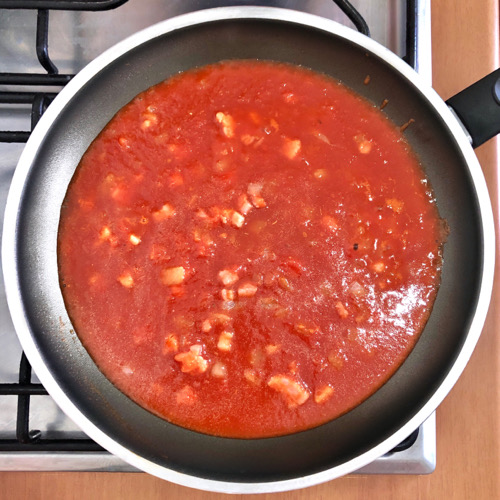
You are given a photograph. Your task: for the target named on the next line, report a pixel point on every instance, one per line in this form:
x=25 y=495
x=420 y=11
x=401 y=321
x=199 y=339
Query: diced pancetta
x=294 y=392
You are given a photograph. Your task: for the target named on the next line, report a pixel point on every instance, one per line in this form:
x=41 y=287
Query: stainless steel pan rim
x=11 y=264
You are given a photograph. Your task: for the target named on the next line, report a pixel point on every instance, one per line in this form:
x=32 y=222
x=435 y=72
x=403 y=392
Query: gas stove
x=43 y=44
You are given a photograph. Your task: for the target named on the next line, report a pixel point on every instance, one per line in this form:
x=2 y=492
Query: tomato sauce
x=249 y=249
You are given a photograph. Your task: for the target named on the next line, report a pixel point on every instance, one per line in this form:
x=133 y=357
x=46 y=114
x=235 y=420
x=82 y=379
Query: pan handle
x=478 y=107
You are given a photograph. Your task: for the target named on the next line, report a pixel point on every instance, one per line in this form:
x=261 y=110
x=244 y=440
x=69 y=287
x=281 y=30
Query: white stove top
x=75 y=38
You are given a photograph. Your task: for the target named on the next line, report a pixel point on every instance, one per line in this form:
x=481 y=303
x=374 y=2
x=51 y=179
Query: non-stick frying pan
x=236 y=465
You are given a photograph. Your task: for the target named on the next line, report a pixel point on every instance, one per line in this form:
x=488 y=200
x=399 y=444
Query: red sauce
x=249 y=249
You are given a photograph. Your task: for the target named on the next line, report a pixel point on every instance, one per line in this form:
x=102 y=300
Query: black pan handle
x=478 y=107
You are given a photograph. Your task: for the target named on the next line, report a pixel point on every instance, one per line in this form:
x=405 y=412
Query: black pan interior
x=262 y=459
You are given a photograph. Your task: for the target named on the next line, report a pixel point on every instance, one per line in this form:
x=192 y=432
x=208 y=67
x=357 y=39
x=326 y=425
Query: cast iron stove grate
x=30 y=440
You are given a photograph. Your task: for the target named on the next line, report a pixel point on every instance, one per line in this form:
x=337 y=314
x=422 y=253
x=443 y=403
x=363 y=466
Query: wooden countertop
x=465 y=48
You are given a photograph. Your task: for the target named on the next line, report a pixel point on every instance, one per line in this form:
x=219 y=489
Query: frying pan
x=288 y=462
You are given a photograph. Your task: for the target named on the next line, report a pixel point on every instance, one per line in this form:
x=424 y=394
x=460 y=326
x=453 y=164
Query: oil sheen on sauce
x=249 y=249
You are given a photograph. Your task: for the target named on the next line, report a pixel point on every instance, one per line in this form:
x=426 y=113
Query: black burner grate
x=82 y=5
x=32 y=440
